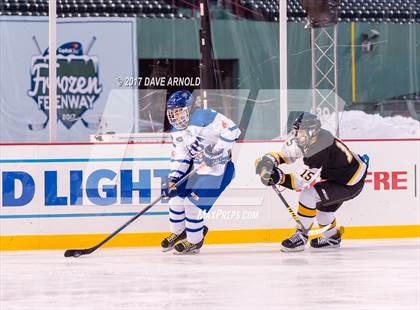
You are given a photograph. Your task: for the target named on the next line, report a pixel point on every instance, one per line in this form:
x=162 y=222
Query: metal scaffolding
x=324 y=74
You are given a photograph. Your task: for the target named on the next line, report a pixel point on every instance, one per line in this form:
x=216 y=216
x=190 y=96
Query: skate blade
x=193 y=252
x=172 y=247
x=328 y=247
x=167 y=249
x=297 y=249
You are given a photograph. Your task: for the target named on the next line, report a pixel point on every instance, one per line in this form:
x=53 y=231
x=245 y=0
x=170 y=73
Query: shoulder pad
x=291 y=151
x=324 y=140
x=202 y=117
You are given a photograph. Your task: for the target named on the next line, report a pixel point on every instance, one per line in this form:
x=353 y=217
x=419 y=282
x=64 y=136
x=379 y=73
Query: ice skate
x=187 y=248
x=295 y=243
x=328 y=243
x=169 y=242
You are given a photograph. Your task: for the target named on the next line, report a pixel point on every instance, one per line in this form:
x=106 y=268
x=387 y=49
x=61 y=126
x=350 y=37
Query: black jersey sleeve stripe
x=288 y=181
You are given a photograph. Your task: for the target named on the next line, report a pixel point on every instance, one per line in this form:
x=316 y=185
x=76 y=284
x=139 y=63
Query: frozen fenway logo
x=78 y=85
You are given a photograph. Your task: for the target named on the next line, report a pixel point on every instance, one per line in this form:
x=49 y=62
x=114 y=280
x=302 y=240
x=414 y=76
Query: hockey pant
x=195 y=197
x=323 y=200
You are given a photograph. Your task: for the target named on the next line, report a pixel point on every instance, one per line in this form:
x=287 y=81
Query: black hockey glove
x=267 y=164
x=269 y=178
x=169 y=189
x=212 y=158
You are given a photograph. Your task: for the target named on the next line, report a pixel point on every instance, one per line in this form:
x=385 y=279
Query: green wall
x=392 y=69
x=254 y=44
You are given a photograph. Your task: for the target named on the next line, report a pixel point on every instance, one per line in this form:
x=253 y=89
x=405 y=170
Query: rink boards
x=68 y=195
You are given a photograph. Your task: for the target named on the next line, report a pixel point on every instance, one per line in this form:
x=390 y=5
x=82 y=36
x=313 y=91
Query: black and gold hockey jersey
x=334 y=158
x=328 y=158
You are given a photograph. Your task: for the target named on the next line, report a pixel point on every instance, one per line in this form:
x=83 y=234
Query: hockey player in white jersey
x=198 y=136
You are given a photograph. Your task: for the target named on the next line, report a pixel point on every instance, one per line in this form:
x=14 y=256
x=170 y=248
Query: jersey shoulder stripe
x=226 y=139
x=202 y=117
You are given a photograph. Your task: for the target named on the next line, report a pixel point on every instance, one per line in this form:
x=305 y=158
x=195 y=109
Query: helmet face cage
x=178 y=109
x=301 y=136
x=305 y=129
x=305 y=137
x=179 y=117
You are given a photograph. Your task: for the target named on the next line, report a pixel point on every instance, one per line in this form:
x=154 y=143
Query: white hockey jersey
x=208 y=127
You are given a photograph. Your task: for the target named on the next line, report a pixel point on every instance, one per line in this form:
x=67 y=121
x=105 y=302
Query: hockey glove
x=267 y=164
x=211 y=157
x=169 y=189
x=269 y=178
x=195 y=149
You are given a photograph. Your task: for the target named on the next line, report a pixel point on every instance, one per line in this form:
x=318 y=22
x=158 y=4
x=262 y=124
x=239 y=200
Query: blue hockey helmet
x=179 y=107
x=306 y=128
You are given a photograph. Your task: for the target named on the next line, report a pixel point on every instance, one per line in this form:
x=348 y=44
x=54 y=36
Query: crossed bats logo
x=78 y=86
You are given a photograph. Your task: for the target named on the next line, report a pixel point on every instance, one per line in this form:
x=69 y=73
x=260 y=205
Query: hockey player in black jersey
x=342 y=174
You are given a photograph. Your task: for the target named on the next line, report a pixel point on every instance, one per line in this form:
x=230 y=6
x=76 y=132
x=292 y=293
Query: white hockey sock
x=177 y=215
x=324 y=219
x=306 y=220
x=194 y=222
x=307 y=206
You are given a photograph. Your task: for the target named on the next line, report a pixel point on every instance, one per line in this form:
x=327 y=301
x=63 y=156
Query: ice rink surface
x=362 y=274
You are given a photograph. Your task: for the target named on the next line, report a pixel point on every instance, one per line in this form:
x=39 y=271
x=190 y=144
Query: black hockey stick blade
x=89 y=125
x=77 y=253
x=80 y=252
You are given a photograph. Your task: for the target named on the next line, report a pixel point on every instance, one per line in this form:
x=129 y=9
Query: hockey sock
x=306 y=215
x=177 y=215
x=194 y=222
x=324 y=219
x=307 y=206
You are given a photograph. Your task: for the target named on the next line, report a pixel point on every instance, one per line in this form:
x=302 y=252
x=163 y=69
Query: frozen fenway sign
x=78 y=85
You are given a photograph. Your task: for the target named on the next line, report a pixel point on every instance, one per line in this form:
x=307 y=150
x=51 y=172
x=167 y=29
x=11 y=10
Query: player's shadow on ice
x=310 y=251
x=373 y=248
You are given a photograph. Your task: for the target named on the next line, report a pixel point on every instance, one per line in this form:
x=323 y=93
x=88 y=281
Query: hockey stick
x=90 y=125
x=37 y=44
x=79 y=252
x=90 y=45
x=308 y=232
